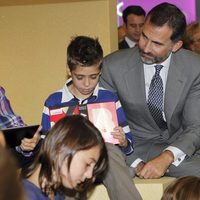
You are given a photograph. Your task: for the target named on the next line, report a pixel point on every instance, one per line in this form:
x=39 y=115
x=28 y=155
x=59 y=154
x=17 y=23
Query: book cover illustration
x=104 y=117
x=56 y=114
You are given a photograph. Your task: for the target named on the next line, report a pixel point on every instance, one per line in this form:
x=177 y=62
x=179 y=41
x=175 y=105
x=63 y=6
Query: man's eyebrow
x=156 y=42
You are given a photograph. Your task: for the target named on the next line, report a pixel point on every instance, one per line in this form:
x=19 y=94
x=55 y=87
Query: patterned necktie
x=155 y=98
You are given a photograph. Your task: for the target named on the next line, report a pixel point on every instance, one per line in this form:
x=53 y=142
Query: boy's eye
x=79 y=77
x=94 y=76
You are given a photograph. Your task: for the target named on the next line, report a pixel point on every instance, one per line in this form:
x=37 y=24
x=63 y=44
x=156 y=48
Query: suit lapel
x=134 y=80
x=176 y=81
x=135 y=84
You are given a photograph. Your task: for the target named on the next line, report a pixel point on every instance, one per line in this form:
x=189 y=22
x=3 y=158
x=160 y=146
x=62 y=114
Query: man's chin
x=147 y=61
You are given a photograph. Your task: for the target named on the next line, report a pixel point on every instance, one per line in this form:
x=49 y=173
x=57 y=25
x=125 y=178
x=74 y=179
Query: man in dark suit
x=158 y=84
x=133 y=17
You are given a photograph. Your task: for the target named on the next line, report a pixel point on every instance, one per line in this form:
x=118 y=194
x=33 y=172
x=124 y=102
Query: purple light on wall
x=188 y=7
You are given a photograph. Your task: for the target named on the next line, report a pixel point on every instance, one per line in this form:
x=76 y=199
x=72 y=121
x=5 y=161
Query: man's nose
x=138 y=29
x=147 y=47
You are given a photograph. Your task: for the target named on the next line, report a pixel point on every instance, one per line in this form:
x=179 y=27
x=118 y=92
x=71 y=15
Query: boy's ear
x=68 y=71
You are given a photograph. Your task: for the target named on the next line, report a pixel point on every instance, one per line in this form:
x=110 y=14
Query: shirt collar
x=68 y=96
x=130 y=42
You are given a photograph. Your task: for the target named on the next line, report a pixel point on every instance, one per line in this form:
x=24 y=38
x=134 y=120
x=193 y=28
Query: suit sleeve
x=106 y=78
x=189 y=138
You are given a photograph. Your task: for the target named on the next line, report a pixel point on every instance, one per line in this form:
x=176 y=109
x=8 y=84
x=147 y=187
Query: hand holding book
x=28 y=144
x=119 y=134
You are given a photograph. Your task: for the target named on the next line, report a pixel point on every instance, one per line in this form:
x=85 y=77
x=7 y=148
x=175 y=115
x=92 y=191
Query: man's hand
x=157 y=167
x=29 y=144
x=139 y=167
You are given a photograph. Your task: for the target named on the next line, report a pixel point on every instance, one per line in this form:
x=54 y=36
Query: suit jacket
x=123 y=45
x=123 y=72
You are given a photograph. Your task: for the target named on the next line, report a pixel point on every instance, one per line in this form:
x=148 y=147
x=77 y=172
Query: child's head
x=185 y=188
x=84 y=57
x=72 y=155
x=85 y=52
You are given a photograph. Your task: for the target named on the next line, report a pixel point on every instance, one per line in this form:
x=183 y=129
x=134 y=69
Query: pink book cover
x=104 y=117
x=56 y=114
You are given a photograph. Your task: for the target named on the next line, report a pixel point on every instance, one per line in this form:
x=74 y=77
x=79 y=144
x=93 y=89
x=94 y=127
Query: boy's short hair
x=84 y=51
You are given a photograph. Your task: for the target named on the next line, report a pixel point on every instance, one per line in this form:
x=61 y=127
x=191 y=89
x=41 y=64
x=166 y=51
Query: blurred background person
x=133 y=18
x=185 y=188
x=2 y=139
x=191 y=39
x=121 y=33
x=10 y=184
x=8 y=119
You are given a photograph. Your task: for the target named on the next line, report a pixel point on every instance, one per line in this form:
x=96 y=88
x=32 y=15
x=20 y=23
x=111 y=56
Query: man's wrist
x=135 y=163
x=168 y=156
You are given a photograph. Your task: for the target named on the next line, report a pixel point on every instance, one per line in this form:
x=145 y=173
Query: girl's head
x=72 y=155
x=185 y=188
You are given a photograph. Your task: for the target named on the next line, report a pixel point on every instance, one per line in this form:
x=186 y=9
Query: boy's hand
x=28 y=144
x=119 y=134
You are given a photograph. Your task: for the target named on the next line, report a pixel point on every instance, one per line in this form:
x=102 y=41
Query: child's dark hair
x=84 y=51
x=184 y=188
x=69 y=135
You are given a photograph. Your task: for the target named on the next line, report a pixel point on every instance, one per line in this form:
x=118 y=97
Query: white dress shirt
x=130 y=42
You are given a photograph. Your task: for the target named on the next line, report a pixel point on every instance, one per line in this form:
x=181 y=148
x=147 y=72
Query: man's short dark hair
x=84 y=51
x=136 y=10
x=166 y=13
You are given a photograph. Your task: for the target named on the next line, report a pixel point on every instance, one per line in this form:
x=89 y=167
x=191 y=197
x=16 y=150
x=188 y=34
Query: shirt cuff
x=129 y=149
x=179 y=155
x=25 y=154
x=136 y=162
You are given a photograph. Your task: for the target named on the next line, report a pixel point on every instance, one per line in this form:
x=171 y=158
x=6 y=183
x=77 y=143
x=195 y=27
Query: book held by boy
x=102 y=115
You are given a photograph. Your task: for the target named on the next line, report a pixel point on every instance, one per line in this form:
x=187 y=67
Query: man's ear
x=177 y=46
